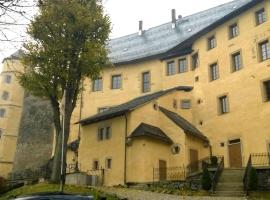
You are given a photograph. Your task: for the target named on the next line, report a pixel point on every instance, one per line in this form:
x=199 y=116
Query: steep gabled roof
x=128 y=106
x=146 y=130
x=183 y=124
x=158 y=41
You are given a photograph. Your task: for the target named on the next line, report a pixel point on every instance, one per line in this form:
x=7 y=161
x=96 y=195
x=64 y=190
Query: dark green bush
x=253 y=179
x=214 y=161
x=206 y=180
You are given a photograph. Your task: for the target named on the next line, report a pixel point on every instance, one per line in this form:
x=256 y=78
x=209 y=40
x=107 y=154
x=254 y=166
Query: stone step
x=230 y=188
x=230 y=179
x=229 y=193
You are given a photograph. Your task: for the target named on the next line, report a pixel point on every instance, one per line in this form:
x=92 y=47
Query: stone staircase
x=230 y=183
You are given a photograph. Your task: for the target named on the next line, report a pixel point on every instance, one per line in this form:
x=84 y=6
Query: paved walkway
x=132 y=194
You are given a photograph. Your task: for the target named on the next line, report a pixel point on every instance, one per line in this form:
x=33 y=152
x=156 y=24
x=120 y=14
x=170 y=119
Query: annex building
x=177 y=94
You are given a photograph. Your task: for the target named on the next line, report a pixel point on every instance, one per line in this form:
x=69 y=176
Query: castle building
x=11 y=103
x=178 y=93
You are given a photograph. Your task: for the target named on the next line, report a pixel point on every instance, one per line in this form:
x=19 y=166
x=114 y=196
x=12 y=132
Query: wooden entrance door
x=162 y=170
x=235 y=154
x=193 y=156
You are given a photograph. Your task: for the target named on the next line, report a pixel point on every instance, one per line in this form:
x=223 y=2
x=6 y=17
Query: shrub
x=206 y=180
x=253 y=179
x=214 y=160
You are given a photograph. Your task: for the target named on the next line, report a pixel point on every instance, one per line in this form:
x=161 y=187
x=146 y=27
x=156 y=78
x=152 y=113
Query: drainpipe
x=125 y=158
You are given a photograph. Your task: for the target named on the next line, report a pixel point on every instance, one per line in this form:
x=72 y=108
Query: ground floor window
x=108 y=163
x=95 y=165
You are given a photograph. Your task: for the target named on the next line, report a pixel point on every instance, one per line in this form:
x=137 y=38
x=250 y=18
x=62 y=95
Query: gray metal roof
x=146 y=130
x=162 y=38
x=130 y=105
x=183 y=124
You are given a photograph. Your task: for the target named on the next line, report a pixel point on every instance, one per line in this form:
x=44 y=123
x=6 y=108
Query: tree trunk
x=57 y=160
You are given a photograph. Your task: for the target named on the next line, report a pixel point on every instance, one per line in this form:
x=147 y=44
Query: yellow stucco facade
x=11 y=102
x=245 y=121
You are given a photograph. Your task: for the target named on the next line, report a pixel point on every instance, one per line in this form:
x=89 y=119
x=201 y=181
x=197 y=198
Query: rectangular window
x=214 y=72
x=185 y=104
x=194 y=61
x=170 y=68
x=182 y=65
x=104 y=133
x=260 y=16
x=2 y=112
x=108 y=163
x=233 y=30
x=146 y=82
x=7 y=78
x=223 y=104
x=212 y=42
x=175 y=104
x=264 y=50
x=97 y=85
x=116 y=81
x=266 y=85
x=5 y=95
x=95 y=165
x=1 y=133
x=236 y=61
x=102 y=109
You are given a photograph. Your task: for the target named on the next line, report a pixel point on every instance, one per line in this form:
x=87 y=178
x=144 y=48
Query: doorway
x=193 y=157
x=235 y=153
x=162 y=170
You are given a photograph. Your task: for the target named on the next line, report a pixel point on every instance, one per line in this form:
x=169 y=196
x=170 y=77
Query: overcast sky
x=125 y=16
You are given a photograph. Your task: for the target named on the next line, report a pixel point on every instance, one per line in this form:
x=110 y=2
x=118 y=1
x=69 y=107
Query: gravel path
x=132 y=194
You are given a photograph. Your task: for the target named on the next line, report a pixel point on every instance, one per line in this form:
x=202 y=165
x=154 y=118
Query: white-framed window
x=185 y=104
x=264 y=48
x=97 y=85
x=233 y=30
x=223 y=104
x=214 y=74
x=212 y=43
x=146 y=87
x=260 y=16
x=182 y=65
x=170 y=68
x=236 y=61
x=116 y=81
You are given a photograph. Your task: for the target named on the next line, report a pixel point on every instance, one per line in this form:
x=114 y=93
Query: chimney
x=173 y=18
x=140 y=27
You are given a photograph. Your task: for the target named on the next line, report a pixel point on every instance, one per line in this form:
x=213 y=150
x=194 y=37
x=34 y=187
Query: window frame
x=266 y=97
x=221 y=110
x=211 y=74
x=6 y=80
x=6 y=97
x=168 y=71
x=195 y=63
x=257 y=16
x=260 y=52
x=107 y=163
x=4 y=113
x=231 y=30
x=94 y=166
x=97 y=89
x=103 y=134
x=232 y=57
x=148 y=89
x=210 y=43
x=185 y=67
x=112 y=82
x=183 y=101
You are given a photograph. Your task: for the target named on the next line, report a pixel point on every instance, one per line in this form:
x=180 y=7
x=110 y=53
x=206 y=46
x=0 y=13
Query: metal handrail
x=217 y=175
x=246 y=175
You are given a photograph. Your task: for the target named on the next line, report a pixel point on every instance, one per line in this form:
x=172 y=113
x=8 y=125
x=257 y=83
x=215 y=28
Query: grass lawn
x=30 y=189
x=259 y=195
